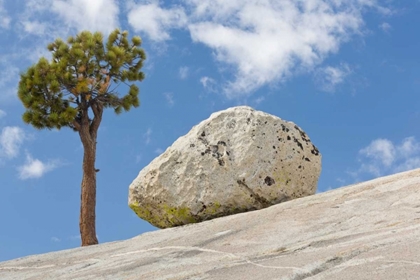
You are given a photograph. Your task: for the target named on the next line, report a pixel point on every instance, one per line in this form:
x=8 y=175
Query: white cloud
x=38 y=5
x=147 y=136
x=159 y=151
x=328 y=78
x=55 y=239
x=93 y=15
x=386 y=27
x=2 y=114
x=169 y=96
x=382 y=157
x=34 y=168
x=11 y=138
x=381 y=150
x=409 y=164
x=266 y=41
x=34 y=27
x=4 y=17
x=155 y=21
x=183 y=72
x=408 y=147
x=263 y=41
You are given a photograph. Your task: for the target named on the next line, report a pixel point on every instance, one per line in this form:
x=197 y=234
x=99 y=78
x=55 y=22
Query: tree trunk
x=87 y=220
x=88 y=132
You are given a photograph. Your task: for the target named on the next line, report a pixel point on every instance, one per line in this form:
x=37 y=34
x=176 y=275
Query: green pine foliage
x=83 y=73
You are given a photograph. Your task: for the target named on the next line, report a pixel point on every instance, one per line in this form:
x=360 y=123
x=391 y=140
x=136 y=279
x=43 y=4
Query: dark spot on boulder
x=274 y=147
x=269 y=181
x=300 y=166
x=302 y=134
x=284 y=128
x=221 y=162
x=192 y=145
x=248 y=120
x=288 y=137
x=203 y=134
x=221 y=143
x=203 y=153
x=307 y=159
x=298 y=143
x=228 y=153
x=314 y=150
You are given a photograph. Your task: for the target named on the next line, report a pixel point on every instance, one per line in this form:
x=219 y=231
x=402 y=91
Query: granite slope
x=366 y=231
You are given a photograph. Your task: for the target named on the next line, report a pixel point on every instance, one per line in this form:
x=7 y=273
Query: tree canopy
x=83 y=73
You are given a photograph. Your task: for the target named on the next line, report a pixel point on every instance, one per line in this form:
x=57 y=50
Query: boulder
x=238 y=160
x=367 y=231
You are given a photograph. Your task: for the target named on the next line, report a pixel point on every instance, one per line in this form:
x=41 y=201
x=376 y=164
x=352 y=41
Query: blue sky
x=347 y=72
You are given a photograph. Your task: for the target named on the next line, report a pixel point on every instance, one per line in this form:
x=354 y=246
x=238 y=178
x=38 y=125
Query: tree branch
x=76 y=125
x=97 y=109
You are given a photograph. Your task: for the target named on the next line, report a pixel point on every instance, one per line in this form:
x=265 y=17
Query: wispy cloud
x=139 y=158
x=169 y=96
x=263 y=42
x=183 y=72
x=75 y=237
x=208 y=83
x=34 y=168
x=2 y=114
x=383 y=157
x=159 y=151
x=4 y=17
x=34 y=27
x=156 y=21
x=8 y=79
x=55 y=239
x=11 y=138
x=147 y=136
x=259 y=100
x=328 y=78
x=94 y=15
x=386 y=27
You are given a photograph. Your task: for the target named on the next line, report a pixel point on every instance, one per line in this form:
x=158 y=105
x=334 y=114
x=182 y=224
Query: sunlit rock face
x=367 y=231
x=237 y=160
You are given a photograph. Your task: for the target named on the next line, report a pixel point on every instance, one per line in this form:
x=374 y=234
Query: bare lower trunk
x=88 y=195
x=88 y=132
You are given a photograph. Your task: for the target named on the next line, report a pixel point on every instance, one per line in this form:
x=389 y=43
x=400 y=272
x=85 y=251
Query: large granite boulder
x=238 y=160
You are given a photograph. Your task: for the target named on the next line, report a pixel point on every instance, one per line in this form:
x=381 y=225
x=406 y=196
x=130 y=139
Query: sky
x=346 y=71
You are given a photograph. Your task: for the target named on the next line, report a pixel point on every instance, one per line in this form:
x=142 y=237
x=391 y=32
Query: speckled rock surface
x=238 y=160
x=369 y=231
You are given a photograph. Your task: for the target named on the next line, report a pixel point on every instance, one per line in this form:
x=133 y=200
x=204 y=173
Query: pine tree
x=72 y=91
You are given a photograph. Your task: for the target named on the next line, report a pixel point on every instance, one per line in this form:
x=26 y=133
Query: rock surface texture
x=369 y=231
x=238 y=160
